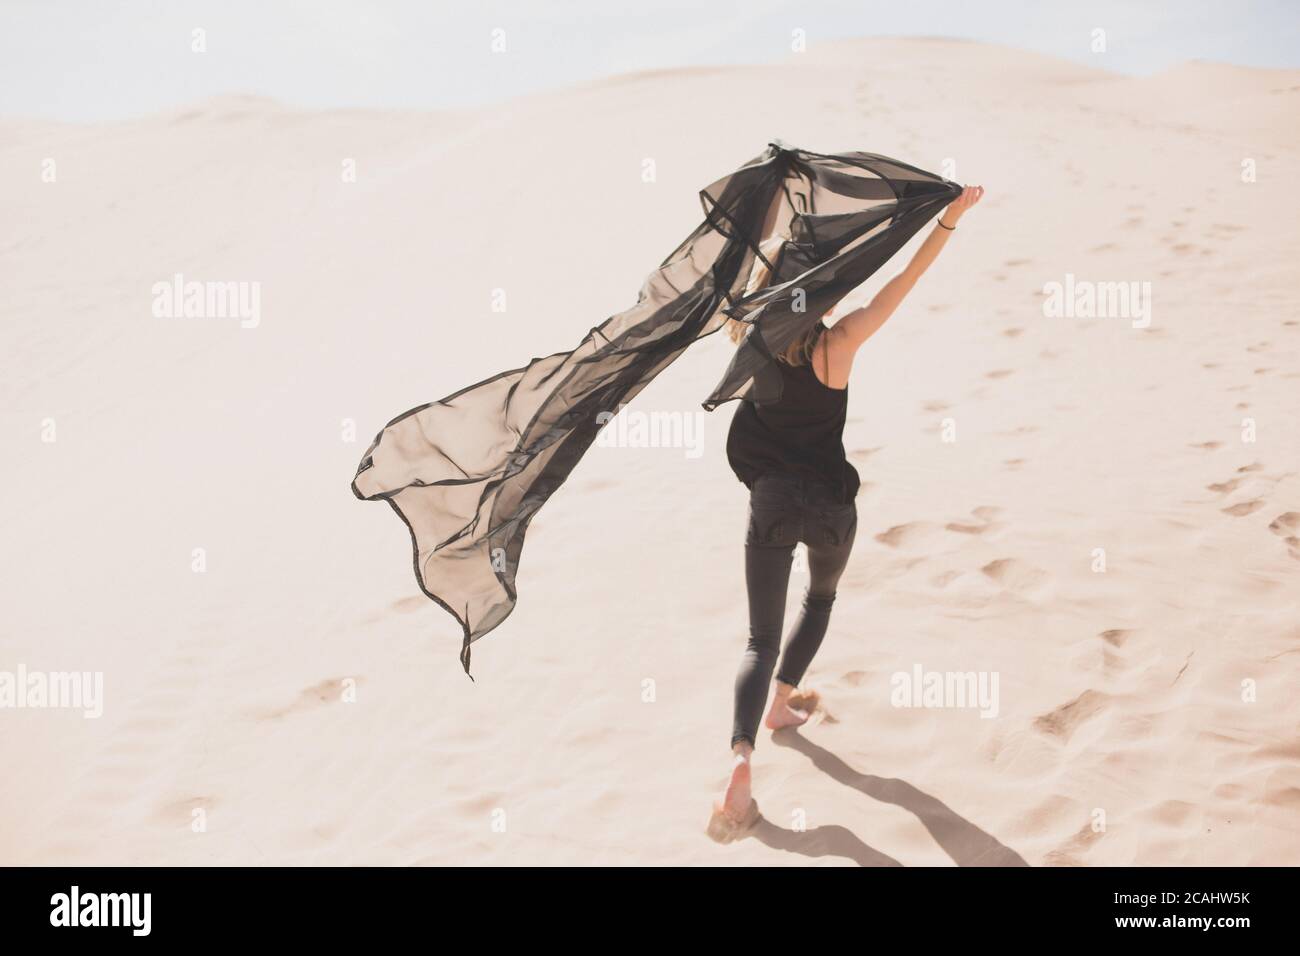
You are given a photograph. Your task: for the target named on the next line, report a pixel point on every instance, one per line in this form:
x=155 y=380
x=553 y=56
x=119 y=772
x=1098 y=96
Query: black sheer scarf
x=466 y=474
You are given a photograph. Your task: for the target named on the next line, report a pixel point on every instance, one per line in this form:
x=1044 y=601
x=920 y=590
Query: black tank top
x=802 y=433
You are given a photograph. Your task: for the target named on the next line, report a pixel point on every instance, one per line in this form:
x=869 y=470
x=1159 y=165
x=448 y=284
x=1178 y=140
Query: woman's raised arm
x=860 y=324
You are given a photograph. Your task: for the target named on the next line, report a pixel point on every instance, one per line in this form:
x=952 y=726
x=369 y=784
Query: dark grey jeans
x=784 y=510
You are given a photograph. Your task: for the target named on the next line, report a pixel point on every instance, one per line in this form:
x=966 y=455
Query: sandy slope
x=1119 y=691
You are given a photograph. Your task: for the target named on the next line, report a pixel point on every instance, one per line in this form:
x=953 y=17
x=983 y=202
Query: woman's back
x=802 y=433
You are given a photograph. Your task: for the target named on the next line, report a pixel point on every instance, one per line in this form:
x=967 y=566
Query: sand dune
x=306 y=701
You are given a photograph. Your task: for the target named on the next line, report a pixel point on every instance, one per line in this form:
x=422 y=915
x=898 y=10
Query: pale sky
x=111 y=59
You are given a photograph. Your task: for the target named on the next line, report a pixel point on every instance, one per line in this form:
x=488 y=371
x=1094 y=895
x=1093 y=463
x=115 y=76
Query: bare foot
x=790 y=707
x=737 y=811
x=738 y=795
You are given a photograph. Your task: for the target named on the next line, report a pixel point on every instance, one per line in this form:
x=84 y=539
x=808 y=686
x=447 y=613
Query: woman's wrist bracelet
x=949 y=228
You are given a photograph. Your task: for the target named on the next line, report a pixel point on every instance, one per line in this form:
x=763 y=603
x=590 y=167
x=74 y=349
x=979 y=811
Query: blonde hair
x=798 y=352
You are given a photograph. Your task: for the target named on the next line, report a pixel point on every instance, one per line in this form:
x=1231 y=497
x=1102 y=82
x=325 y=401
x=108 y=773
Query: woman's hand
x=970 y=195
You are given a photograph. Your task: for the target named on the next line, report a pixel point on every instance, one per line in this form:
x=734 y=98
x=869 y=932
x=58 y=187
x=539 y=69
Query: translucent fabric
x=468 y=473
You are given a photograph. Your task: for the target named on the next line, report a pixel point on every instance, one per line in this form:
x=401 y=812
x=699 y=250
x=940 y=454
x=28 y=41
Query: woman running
x=790 y=454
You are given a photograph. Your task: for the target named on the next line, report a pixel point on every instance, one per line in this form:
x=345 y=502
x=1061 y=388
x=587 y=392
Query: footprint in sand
x=984 y=514
x=1116 y=636
x=1287 y=798
x=1012 y=332
x=181 y=812
x=1286 y=524
x=1223 y=487
x=1015 y=575
x=329 y=691
x=945 y=579
x=1287 y=527
x=1070 y=853
x=1244 y=508
x=1000 y=373
x=910 y=535
x=1171 y=813
x=1207 y=445
x=1062 y=722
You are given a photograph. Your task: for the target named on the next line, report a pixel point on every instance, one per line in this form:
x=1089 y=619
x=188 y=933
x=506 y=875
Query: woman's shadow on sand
x=962 y=840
